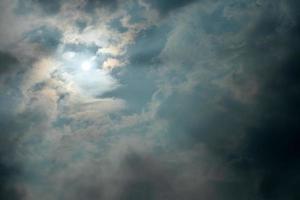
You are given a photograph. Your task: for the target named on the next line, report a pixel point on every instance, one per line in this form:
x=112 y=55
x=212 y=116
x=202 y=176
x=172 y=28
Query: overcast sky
x=149 y=99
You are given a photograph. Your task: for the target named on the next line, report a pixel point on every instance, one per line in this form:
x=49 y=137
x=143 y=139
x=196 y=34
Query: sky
x=149 y=99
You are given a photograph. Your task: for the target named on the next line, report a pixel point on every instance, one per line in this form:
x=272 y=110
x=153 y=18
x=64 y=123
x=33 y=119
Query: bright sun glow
x=86 y=66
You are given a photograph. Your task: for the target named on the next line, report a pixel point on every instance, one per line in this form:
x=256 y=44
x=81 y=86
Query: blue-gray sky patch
x=46 y=37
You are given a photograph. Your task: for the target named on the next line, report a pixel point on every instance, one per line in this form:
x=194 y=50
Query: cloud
x=111 y=63
x=48 y=38
x=164 y=6
x=51 y=7
x=215 y=116
x=91 y=5
x=148 y=46
x=205 y=105
x=7 y=62
x=47 y=7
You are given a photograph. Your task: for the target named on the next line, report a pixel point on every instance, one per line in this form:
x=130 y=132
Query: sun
x=86 y=66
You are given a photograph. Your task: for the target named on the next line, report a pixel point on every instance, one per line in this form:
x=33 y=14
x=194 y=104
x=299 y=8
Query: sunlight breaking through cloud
x=149 y=99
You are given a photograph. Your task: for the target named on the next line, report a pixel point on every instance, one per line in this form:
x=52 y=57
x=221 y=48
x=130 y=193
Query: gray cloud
x=217 y=118
x=7 y=62
x=91 y=5
x=165 y=6
x=46 y=6
x=48 y=38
